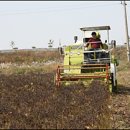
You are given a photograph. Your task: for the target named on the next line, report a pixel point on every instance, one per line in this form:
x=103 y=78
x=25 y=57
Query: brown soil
x=121 y=102
x=32 y=101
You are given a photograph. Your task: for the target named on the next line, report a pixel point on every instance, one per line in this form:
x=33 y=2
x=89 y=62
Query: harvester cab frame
x=97 y=28
x=103 y=55
x=83 y=65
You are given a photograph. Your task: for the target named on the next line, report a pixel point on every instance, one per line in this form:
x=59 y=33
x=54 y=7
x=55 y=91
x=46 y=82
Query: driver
x=95 y=41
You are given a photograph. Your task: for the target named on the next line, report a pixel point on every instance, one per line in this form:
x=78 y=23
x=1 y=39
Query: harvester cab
x=84 y=64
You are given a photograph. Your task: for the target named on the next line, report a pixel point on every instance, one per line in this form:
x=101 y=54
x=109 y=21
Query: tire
x=114 y=87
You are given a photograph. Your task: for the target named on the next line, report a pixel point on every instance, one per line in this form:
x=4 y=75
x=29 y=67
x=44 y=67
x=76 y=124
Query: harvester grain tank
x=82 y=65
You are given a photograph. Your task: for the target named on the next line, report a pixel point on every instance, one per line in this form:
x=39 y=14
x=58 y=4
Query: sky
x=34 y=23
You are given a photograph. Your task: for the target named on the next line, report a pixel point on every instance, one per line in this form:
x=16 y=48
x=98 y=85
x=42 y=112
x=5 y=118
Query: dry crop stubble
x=32 y=101
x=29 y=99
x=29 y=56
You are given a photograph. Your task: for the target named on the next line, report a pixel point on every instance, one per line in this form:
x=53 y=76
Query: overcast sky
x=33 y=23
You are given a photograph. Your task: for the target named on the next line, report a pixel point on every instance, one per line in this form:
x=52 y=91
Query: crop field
x=29 y=98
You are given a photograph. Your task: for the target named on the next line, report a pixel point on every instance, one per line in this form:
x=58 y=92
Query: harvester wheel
x=114 y=87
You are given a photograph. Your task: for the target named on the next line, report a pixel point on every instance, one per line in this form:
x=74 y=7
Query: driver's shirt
x=95 y=43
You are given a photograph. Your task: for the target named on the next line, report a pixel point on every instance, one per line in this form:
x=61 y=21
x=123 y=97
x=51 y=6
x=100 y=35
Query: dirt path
x=121 y=102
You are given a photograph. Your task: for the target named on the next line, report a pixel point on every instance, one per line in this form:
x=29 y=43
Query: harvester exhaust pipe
x=75 y=39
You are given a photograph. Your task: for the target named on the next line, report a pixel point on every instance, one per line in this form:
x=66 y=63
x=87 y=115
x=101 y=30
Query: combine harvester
x=83 y=65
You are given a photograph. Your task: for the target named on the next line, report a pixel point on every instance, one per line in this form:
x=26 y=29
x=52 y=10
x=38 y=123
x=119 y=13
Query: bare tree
x=50 y=44
x=12 y=44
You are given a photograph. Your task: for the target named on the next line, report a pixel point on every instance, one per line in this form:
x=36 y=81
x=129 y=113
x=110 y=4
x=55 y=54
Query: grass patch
x=29 y=56
x=28 y=68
